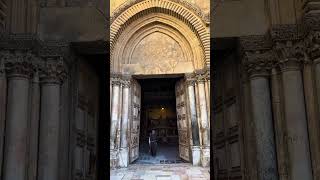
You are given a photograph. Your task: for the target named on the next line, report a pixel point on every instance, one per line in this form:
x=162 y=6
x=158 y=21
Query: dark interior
x=158 y=112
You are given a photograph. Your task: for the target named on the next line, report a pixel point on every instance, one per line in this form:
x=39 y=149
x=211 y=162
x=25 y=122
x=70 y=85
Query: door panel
x=226 y=128
x=135 y=120
x=85 y=125
x=182 y=120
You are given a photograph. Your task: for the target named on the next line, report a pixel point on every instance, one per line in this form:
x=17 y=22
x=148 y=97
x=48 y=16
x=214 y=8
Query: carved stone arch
x=182 y=15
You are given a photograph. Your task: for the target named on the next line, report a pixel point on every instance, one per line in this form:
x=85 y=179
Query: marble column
x=262 y=117
x=114 y=112
x=16 y=139
x=51 y=80
x=117 y=145
x=312 y=116
x=317 y=81
x=249 y=140
x=194 y=123
x=34 y=126
x=205 y=148
x=3 y=100
x=277 y=107
x=124 y=150
x=296 y=122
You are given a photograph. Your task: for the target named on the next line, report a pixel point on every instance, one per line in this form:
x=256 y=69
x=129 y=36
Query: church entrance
x=158 y=112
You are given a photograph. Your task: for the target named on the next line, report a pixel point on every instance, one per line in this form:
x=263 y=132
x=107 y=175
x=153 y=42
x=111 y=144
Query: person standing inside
x=153 y=142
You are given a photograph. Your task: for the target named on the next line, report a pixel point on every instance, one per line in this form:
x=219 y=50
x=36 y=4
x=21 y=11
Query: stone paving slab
x=182 y=171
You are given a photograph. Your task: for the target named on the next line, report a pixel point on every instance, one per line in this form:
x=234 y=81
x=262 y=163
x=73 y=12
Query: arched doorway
x=159 y=38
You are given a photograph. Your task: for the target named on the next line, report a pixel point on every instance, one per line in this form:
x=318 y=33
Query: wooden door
x=85 y=122
x=182 y=120
x=135 y=108
x=226 y=134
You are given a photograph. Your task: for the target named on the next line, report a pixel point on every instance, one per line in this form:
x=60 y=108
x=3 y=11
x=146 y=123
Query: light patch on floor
x=181 y=171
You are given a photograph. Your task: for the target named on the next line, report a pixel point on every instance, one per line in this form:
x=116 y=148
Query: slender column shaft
x=119 y=118
x=317 y=84
x=15 y=156
x=296 y=122
x=250 y=142
x=3 y=99
x=207 y=84
x=194 y=125
x=34 y=128
x=203 y=115
x=313 y=118
x=198 y=111
x=114 y=114
x=124 y=159
x=52 y=75
x=49 y=132
x=194 y=122
x=262 y=115
x=279 y=126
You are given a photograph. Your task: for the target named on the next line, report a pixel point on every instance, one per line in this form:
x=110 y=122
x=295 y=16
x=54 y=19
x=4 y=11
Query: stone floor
x=166 y=153
x=181 y=171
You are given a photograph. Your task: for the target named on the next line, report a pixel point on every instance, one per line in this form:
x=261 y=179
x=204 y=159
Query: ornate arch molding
x=127 y=14
x=142 y=27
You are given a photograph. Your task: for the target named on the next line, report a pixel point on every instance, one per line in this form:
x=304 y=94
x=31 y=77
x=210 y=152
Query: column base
x=196 y=155
x=205 y=156
x=124 y=157
x=114 y=160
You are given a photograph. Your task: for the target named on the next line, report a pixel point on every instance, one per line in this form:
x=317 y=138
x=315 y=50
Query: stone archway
x=159 y=37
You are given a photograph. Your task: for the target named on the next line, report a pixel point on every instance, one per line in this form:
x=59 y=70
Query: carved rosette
x=53 y=70
x=18 y=64
x=258 y=63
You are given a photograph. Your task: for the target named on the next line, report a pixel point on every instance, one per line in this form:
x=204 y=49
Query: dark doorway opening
x=158 y=112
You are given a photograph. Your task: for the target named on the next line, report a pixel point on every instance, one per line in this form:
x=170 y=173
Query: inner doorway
x=158 y=112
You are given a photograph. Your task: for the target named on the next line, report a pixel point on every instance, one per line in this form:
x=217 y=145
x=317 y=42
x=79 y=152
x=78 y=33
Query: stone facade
x=265 y=102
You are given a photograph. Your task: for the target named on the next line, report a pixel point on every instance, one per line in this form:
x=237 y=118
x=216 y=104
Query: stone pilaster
x=19 y=71
x=124 y=146
x=257 y=65
x=52 y=75
x=190 y=79
x=290 y=54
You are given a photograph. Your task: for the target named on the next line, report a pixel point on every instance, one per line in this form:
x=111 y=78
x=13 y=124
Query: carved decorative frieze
x=53 y=70
x=285 y=32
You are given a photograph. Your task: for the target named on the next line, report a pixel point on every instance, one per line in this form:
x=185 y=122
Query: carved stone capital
x=18 y=63
x=53 y=70
x=291 y=54
x=126 y=81
x=313 y=45
x=115 y=79
x=258 y=63
x=190 y=79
